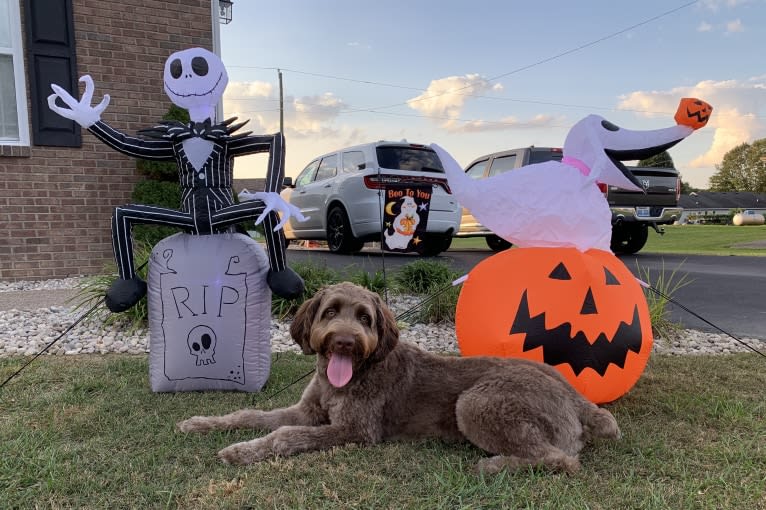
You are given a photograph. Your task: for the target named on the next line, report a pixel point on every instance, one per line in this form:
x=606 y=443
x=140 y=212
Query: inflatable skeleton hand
x=79 y=111
x=273 y=201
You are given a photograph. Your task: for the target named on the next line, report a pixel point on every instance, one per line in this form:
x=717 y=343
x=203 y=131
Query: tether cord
x=75 y=323
x=682 y=307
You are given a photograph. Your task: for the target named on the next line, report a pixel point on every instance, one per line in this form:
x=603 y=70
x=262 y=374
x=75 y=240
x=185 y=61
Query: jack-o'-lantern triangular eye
x=610 y=278
x=560 y=273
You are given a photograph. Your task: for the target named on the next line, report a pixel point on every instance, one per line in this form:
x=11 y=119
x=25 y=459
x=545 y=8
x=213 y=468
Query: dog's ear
x=388 y=331
x=300 y=329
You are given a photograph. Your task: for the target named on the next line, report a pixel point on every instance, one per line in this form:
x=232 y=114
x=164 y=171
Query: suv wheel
x=496 y=243
x=434 y=244
x=628 y=239
x=339 y=236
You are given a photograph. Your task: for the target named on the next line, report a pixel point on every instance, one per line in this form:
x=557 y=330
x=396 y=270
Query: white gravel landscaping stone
x=24 y=332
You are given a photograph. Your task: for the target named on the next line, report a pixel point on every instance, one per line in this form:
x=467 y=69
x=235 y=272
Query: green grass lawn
x=86 y=432
x=708 y=240
x=691 y=239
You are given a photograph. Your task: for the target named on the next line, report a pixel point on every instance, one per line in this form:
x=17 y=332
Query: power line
x=548 y=59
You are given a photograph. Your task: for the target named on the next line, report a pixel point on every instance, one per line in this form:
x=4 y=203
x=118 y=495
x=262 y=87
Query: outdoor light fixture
x=224 y=11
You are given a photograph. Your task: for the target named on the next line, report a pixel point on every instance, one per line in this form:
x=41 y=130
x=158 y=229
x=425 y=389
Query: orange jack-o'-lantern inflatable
x=583 y=313
x=693 y=113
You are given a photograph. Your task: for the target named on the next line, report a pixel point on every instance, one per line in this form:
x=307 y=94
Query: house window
x=13 y=101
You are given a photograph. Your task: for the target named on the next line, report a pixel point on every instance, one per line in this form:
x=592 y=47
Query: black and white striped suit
x=207 y=201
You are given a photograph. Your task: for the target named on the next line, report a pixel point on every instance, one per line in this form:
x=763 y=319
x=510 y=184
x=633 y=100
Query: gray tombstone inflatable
x=209 y=314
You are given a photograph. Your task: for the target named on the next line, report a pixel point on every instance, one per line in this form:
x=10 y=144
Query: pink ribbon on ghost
x=582 y=167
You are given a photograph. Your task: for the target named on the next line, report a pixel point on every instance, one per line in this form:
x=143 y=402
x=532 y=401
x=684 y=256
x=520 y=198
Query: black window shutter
x=51 y=58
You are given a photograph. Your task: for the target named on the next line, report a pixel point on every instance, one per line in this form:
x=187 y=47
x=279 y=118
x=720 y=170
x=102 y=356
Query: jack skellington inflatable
x=195 y=80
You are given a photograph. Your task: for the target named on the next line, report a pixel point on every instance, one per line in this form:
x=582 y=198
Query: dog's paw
x=245 y=453
x=195 y=424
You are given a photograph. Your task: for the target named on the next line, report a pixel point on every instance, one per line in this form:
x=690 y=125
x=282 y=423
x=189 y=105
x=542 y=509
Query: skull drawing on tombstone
x=201 y=341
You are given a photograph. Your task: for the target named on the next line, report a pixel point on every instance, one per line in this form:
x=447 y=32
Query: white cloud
x=357 y=44
x=704 y=27
x=734 y=26
x=248 y=89
x=310 y=123
x=307 y=116
x=714 y=5
x=445 y=98
x=538 y=121
x=736 y=112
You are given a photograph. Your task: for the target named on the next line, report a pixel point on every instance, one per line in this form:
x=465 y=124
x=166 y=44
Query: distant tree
x=743 y=168
x=687 y=188
x=661 y=160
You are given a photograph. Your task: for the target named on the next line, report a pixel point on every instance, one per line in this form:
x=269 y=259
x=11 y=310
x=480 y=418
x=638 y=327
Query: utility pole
x=281 y=105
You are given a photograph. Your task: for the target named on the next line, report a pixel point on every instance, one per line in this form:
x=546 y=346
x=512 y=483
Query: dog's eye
x=330 y=313
x=365 y=319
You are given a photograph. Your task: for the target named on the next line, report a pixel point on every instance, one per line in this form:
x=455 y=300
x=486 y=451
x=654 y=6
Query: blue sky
x=482 y=76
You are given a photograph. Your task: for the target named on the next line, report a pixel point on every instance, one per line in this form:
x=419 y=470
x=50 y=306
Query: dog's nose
x=343 y=344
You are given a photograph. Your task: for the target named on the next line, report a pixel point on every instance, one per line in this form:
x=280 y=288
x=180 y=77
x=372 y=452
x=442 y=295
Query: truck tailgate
x=660 y=185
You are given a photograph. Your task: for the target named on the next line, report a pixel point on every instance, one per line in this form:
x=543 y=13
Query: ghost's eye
x=176 y=68
x=199 y=66
x=609 y=126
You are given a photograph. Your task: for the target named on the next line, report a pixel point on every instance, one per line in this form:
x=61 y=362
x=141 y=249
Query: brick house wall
x=55 y=202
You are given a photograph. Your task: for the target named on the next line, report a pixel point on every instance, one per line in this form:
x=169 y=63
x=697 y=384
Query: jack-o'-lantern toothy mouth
x=560 y=347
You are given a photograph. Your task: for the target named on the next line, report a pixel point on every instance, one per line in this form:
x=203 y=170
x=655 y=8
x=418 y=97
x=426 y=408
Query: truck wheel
x=339 y=236
x=628 y=239
x=496 y=243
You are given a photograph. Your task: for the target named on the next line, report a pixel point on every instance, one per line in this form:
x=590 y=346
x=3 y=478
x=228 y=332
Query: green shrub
x=161 y=193
x=376 y=282
x=422 y=276
x=315 y=277
x=440 y=305
x=92 y=290
x=433 y=280
x=662 y=326
x=163 y=171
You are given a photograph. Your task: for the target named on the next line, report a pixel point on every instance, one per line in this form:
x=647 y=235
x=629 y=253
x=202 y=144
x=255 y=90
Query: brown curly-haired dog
x=369 y=388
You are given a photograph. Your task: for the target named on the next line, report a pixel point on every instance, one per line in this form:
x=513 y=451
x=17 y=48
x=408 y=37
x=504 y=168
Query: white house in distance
x=711 y=203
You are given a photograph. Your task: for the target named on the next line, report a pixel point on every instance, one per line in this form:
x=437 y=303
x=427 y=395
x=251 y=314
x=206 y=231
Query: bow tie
x=178 y=131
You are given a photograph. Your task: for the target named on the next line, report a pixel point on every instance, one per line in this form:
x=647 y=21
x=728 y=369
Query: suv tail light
x=380 y=181
x=678 y=188
x=603 y=187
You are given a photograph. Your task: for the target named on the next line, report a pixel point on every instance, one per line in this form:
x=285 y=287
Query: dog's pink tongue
x=339 y=370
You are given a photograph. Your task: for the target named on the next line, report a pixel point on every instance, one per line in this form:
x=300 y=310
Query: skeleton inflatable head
x=195 y=80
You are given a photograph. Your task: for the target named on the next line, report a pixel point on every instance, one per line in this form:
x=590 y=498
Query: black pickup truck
x=633 y=212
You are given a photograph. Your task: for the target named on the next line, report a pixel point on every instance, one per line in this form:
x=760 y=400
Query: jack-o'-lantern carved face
x=195 y=79
x=693 y=112
x=583 y=313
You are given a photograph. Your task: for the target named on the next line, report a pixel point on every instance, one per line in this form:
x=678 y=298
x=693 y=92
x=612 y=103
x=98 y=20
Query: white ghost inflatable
x=558 y=204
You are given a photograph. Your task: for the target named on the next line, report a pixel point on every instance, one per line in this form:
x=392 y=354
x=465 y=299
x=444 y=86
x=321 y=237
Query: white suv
x=342 y=192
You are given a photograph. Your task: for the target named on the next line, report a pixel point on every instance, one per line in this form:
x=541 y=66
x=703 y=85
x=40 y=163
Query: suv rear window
x=541 y=156
x=409 y=158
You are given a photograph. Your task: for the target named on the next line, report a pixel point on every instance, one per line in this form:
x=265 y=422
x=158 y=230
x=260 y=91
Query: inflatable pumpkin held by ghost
x=560 y=296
